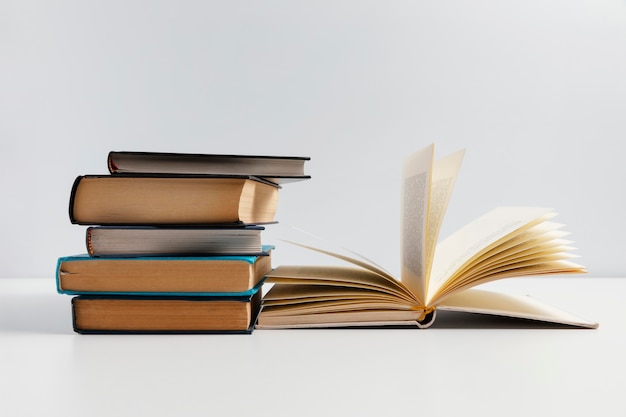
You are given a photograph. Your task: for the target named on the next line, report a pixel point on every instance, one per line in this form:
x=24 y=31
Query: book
x=202 y=276
x=102 y=314
x=280 y=169
x=119 y=241
x=172 y=200
x=506 y=242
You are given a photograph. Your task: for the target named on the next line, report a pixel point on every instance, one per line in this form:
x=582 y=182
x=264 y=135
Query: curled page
x=471 y=241
x=445 y=172
x=416 y=180
x=426 y=190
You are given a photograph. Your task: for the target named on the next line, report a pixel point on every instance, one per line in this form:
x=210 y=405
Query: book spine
x=73 y=198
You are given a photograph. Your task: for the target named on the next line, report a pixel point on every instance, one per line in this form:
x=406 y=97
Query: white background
x=535 y=90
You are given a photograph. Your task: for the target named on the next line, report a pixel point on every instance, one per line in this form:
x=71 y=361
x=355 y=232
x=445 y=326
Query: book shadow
x=464 y=320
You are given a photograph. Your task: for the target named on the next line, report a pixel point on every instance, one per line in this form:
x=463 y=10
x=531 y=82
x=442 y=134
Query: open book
x=506 y=242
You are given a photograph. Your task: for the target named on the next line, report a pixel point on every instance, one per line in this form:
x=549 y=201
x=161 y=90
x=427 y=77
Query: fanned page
x=487 y=302
x=336 y=296
x=343 y=278
x=479 y=251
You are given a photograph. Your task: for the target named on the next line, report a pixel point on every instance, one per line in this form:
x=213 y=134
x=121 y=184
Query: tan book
x=162 y=275
x=171 y=200
x=506 y=242
x=98 y=314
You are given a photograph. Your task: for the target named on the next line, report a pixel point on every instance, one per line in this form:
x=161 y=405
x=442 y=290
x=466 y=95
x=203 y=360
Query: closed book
x=171 y=200
x=210 y=275
x=119 y=241
x=280 y=169
x=102 y=314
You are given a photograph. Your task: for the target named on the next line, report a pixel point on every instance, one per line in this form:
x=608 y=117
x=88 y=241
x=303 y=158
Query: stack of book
x=174 y=242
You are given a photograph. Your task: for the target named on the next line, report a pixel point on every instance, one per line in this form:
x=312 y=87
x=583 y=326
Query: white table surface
x=461 y=366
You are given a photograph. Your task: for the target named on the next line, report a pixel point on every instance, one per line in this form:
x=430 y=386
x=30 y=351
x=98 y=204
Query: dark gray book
x=279 y=169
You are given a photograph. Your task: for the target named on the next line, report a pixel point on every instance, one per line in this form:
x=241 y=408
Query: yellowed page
x=488 y=302
x=416 y=181
x=470 y=242
x=538 y=243
x=333 y=306
x=287 y=294
x=340 y=276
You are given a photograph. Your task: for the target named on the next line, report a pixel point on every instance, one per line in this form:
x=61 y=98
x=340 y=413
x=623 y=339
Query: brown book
x=280 y=169
x=93 y=314
x=162 y=275
x=171 y=200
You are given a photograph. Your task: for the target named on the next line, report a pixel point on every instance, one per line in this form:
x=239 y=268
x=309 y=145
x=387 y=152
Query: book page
x=445 y=173
x=488 y=302
x=468 y=243
x=352 y=258
x=416 y=181
x=339 y=277
x=288 y=294
x=304 y=299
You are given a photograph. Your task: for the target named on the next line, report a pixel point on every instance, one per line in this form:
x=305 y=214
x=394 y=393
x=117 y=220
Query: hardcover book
x=280 y=169
x=171 y=200
x=107 y=314
x=506 y=242
x=211 y=275
x=173 y=241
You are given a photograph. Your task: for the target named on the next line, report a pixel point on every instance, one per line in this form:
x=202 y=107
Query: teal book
x=160 y=276
x=166 y=314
